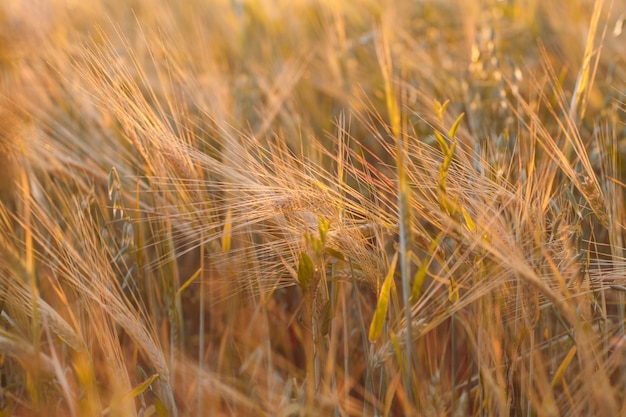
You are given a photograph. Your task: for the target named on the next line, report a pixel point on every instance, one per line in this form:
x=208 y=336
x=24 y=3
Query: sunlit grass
x=290 y=208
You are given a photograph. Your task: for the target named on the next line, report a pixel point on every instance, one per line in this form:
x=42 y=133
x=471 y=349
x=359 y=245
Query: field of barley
x=312 y=208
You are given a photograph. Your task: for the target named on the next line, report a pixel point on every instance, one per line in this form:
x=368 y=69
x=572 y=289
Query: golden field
x=312 y=208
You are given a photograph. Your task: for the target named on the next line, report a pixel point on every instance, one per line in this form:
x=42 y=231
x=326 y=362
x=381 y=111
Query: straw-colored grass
x=312 y=208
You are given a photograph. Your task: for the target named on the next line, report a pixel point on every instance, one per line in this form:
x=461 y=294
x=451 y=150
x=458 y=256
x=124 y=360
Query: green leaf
x=453 y=291
x=418 y=281
x=161 y=410
x=323 y=225
x=305 y=270
x=420 y=275
x=455 y=126
x=187 y=283
x=448 y=158
x=314 y=243
x=558 y=375
x=334 y=253
x=398 y=352
x=142 y=387
x=440 y=109
x=471 y=226
x=376 y=328
x=442 y=142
